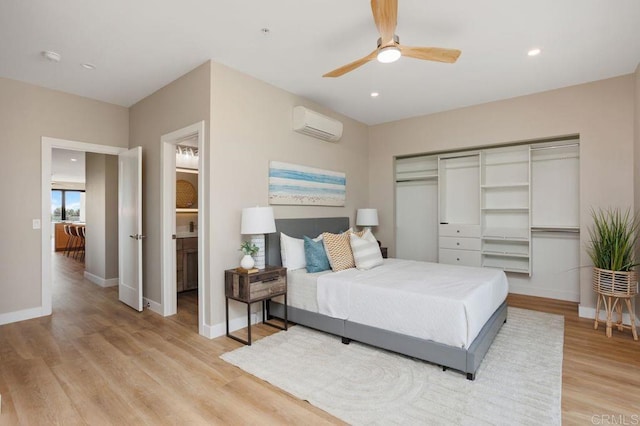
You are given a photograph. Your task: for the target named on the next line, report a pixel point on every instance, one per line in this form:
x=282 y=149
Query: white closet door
x=417 y=220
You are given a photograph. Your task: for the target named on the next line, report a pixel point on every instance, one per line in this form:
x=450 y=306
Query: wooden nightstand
x=257 y=287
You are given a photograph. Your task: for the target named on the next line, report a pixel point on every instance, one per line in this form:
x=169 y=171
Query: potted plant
x=611 y=248
x=249 y=249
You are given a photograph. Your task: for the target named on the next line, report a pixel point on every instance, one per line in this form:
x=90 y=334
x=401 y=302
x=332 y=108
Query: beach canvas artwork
x=292 y=184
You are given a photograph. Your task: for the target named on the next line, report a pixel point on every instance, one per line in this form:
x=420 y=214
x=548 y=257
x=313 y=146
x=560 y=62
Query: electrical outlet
x=36 y=224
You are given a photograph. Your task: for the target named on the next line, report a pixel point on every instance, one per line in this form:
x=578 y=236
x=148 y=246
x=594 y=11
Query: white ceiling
x=139 y=46
x=63 y=169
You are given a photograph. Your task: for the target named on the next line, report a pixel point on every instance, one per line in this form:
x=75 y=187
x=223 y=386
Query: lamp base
x=259 y=257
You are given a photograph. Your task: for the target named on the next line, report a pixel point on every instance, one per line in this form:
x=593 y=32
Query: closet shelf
x=509 y=234
x=508 y=269
x=505 y=254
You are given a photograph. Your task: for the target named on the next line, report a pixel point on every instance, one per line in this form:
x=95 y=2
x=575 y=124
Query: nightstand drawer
x=262 y=289
x=257 y=286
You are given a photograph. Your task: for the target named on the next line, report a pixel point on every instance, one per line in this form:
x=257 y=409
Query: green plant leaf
x=613 y=239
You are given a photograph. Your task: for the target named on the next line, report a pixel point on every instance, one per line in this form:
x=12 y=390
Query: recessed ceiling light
x=52 y=56
x=375 y=94
x=534 y=52
x=88 y=66
x=74 y=159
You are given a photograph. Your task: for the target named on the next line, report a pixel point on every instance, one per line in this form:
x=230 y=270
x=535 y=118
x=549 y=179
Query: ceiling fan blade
x=431 y=53
x=385 y=15
x=352 y=66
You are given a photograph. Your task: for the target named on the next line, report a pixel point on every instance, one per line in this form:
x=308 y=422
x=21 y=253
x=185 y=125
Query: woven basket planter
x=615 y=283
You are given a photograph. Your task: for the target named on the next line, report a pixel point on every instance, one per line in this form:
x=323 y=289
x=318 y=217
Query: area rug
x=518 y=383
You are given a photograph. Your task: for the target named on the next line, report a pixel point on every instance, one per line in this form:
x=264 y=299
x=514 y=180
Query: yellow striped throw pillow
x=338 y=250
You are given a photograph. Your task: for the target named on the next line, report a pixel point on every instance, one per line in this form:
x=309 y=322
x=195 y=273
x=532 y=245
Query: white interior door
x=130 y=227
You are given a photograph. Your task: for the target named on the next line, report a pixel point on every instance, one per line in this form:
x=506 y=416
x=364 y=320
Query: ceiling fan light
x=388 y=54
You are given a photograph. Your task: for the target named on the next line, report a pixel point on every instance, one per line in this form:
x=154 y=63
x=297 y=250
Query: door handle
x=174 y=237
x=137 y=236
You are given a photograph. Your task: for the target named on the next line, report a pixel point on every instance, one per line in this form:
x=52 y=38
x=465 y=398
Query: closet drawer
x=460 y=257
x=460 y=243
x=459 y=230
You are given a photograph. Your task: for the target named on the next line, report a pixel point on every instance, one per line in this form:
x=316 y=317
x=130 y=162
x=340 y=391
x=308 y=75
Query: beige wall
x=600 y=112
x=179 y=104
x=101 y=246
x=27 y=113
x=636 y=157
x=251 y=125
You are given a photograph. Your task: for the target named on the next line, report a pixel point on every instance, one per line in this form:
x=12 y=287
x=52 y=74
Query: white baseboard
x=544 y=292
x=22 y=315
x=590 y=313
x=152 y=305
x=220 y=329
x=102 y=282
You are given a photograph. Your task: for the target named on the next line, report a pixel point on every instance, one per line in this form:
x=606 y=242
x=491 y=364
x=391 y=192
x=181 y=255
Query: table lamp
x=257 y=221
x=367 y=218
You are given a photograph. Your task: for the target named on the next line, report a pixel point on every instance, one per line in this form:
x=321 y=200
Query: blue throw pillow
x=316 y=257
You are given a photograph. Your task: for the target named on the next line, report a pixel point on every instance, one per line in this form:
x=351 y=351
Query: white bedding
x=444 y=303
x=302 y=289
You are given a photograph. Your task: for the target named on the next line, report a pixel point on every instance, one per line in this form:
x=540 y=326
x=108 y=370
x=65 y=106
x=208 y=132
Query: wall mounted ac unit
x=314 y=124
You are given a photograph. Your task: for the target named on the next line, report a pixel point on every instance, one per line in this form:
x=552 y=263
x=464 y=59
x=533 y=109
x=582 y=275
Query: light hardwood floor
x=95 y=361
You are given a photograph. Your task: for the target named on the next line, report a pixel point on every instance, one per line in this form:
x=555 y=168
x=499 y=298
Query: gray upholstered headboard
x=297 y=228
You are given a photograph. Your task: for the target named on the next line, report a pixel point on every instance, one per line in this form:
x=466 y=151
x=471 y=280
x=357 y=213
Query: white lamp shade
x=257 y=220
x=367 y=217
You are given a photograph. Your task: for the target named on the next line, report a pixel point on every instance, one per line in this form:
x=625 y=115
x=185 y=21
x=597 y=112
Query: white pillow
x=366 y=251
x=292 y=252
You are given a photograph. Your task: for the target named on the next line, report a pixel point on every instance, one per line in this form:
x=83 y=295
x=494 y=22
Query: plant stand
x=615 y=288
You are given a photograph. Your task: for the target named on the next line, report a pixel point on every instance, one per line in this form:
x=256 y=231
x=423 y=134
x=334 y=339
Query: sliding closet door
x=417 y=208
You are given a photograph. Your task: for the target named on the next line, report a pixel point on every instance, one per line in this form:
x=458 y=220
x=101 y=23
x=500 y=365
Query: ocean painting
x=292 y=184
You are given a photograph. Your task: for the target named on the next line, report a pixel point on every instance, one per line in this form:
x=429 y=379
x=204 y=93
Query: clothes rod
x=565 y=230
x=554 y=146
x=416 y=179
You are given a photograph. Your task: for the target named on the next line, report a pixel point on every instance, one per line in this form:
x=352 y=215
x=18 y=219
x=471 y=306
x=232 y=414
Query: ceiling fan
x=385 y=15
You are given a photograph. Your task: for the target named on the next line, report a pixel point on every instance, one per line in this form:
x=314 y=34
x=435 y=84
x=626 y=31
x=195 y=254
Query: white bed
x=444 y=314
x=443 y=303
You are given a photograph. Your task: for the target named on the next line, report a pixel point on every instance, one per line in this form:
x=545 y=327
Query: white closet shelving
x=459 y=207
x=505 y=211
x=513 y=208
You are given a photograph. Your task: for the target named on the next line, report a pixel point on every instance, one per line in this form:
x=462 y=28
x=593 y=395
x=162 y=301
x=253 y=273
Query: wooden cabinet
x=187 y=264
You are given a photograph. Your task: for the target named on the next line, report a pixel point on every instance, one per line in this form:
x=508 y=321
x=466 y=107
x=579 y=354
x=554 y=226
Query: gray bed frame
x=465 y=360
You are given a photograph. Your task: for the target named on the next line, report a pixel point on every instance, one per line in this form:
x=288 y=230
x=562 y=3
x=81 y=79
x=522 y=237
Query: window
x=66 y=205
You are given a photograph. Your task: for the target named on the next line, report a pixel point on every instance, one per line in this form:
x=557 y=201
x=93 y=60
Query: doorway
x=183 y=224
x=48 y=144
